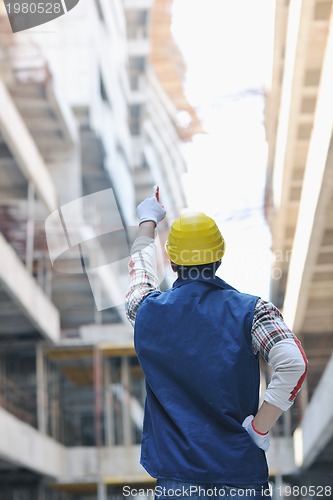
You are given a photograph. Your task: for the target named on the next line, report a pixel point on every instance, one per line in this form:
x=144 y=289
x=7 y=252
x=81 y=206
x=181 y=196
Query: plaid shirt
x=268 y=328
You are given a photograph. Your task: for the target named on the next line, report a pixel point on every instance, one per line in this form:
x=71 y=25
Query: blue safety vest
x=202 y=379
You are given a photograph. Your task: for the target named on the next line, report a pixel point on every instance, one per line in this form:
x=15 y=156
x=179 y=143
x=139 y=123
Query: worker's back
x=194 y=345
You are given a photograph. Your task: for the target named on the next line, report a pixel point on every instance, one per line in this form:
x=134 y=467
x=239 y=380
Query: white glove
x=261 y=440
x=150 y=209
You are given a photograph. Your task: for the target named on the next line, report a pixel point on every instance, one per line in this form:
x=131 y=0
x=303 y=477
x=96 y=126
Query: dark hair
x=202 y=270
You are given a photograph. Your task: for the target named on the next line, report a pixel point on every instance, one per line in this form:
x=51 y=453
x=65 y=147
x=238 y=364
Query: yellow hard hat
x=194 y=239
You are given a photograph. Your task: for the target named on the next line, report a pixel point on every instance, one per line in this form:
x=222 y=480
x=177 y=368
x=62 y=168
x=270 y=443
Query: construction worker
x=199 y=345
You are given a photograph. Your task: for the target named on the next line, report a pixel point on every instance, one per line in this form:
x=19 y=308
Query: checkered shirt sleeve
x=268 y=328
x=143 y=275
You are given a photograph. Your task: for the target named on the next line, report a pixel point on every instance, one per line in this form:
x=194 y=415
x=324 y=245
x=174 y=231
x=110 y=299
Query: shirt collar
x=213 y=280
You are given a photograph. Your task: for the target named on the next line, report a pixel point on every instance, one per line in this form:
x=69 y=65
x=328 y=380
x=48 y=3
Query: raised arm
x=142 y=265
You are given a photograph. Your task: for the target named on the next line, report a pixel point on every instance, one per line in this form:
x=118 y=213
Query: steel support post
x=126 y=410
x=41 y=379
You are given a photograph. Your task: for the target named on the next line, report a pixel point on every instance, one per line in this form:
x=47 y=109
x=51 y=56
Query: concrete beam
x=115 y=464
x=42 y=124
x=25 y=292
x=298 y=28
x=112 y=340
x=24 y=150
x=120 y=465
x=25 y=104
x=13 y=196
x=24 y=446
x=315 y=200
x=316 y=429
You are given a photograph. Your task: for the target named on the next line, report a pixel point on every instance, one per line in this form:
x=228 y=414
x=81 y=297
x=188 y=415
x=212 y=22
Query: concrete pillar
x=126 y=411
x=101 y=491
x=55 y=406
x=41 y=491
x=66 y=174
x=29 y=250
x=98 y=396
x=108 y=405
x=96 y=260
x=41 y=379
x=316 y=430
x=278 y=488
x=44 y=274
x=303 y=397
x=286 y=419
x=143 y=391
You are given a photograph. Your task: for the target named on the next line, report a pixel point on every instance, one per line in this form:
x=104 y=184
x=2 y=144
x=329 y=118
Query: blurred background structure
x=299 y=208
x=94 y=101
x=82 y=110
